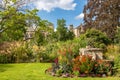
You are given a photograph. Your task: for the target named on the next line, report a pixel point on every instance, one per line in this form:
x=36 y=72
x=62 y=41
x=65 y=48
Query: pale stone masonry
x=31 y=31
x=77 y=31
x=96 y=53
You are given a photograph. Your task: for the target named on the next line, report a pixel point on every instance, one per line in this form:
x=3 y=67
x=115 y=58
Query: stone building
x=31 y=31
x=78 y=30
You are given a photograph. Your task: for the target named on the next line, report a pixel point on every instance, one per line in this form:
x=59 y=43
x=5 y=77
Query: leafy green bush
x=3 y=58
x=21 y=53
x=96 y=38
x=117 y=65
x=112 y=52
x=117 y=37
x=103 y=67
x=16 y=52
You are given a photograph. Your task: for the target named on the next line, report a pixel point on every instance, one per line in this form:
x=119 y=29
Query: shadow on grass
x=4 y=67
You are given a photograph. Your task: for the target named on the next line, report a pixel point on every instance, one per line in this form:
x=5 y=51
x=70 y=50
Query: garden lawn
x=35 y=71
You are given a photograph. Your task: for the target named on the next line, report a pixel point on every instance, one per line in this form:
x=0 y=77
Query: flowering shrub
x=65 y=57
x=15 y=52
x=103 y=67
x=82 y=65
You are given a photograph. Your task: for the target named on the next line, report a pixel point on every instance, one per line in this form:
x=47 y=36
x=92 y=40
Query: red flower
x=83 y=58
x=99 y=61
x=96 y=65
x=56 y=60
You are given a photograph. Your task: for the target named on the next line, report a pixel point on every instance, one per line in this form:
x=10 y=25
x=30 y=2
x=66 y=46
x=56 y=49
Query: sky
x=70 y=10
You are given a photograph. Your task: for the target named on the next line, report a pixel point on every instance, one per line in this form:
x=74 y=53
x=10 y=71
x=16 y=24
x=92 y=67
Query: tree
x=61 y=29
x=43 y=33
x=13 y=22
x=96 y=38
x=32 y=19
x=103 y=15
x=62 y=32
x=70 y=35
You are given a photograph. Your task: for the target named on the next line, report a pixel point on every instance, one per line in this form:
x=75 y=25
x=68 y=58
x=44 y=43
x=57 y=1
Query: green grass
x=35 y=71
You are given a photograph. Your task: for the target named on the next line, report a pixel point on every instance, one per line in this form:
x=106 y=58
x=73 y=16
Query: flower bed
x=69 y=65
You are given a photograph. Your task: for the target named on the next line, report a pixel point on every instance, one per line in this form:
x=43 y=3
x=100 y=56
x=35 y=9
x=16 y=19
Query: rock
x=53 y=74
x=65 y=75
x=103 y=75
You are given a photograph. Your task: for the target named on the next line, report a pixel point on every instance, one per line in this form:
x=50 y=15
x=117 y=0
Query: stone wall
x=96 y=53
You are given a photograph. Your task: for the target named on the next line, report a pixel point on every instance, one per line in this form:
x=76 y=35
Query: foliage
x=32 y=19
x=61 y=29
x=44 y=51
x=117 y=36
x=19 y=52
x=96 y=38
x=22 y=53
x=39 y=38
x=112 y=51
x=13 y=22
x=43 y=33
x=70 y=62
x=65 y=56
x=117 y=64
x=103 y=67
x=70 y=35
x=83 y=64
x=96 y=15
x=62 y=32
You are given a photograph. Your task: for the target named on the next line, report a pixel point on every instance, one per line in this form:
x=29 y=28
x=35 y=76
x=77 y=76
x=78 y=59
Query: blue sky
x=70 y=10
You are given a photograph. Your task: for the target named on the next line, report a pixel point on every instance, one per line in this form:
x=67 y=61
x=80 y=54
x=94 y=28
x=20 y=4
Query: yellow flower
x=35 y=48
x=60 y=57
x=42 y=48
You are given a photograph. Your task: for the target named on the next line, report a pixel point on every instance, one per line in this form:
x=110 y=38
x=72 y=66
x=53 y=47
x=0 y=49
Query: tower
x=71 y=27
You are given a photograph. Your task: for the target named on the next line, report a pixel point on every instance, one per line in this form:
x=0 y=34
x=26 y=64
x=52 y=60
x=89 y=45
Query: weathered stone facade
x=31 y=31
x=78 y=30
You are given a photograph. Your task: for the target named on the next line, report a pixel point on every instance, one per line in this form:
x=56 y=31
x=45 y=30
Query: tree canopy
x=13 y=22
x=63 y=33
x=103 y=15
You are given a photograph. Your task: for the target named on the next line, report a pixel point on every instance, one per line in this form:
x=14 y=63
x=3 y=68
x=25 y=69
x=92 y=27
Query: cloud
x=80 y=16
x=49 y=5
